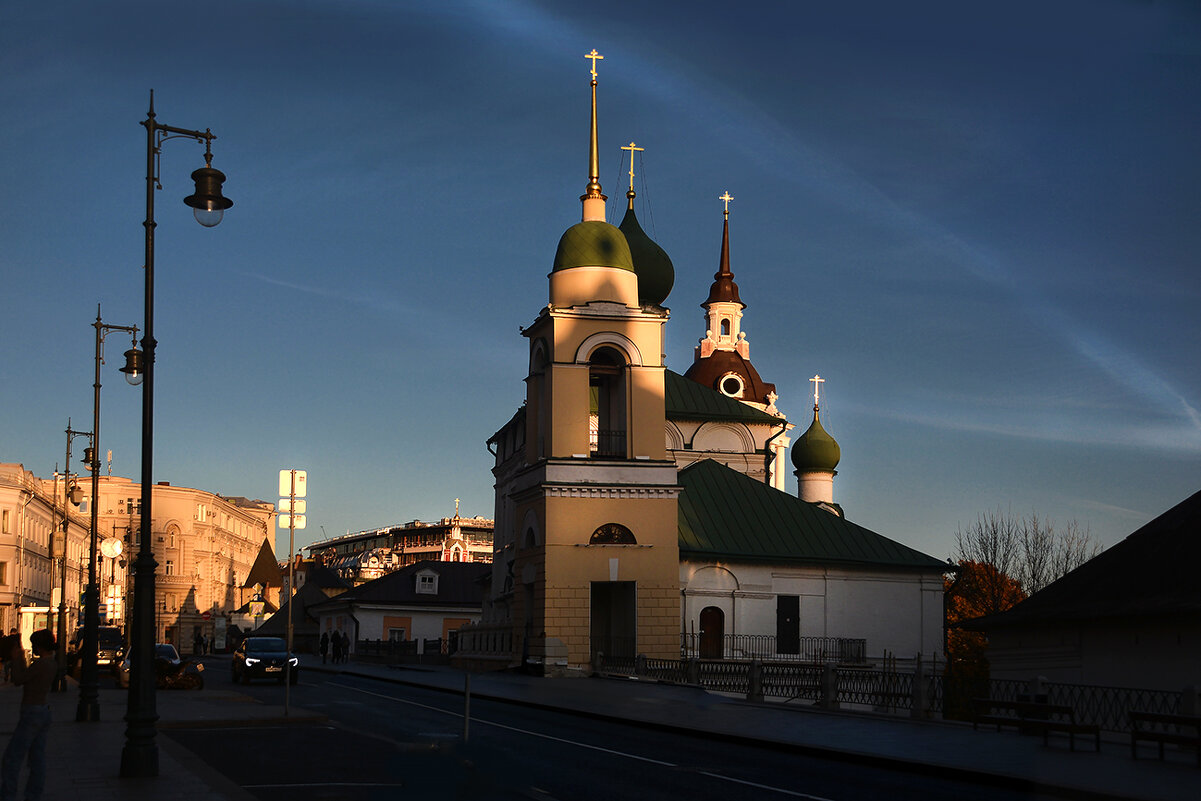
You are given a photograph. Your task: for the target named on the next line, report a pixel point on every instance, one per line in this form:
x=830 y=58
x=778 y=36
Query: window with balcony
x=607 y=405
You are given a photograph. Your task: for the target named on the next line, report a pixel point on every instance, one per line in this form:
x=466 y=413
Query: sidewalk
x=84 y=758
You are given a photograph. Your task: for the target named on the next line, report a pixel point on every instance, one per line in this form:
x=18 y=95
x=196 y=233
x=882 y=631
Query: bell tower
x=596 y=565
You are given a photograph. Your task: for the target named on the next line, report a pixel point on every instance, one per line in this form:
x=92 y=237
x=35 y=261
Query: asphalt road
x=386 y=741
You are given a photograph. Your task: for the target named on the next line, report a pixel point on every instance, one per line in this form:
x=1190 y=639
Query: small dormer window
x=427 y=583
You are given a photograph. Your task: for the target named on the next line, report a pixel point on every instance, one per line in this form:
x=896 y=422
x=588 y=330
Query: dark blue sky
x=977 y=221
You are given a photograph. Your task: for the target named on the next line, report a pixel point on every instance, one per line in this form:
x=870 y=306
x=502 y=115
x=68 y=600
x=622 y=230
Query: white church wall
x=899 y=613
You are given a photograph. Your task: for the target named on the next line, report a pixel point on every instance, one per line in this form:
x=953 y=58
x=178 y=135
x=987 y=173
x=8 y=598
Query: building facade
x=31 y=573
x=367 y=555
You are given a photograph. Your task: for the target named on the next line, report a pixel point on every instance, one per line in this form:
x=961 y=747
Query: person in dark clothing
x=336 y=644
x=345 y=647
x=28 y=743
x=324 y=645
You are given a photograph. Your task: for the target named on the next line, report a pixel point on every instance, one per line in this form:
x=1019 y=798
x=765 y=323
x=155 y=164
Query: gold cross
x=594 y=56
x=631 y=147
x=817 y=381
x=726 y=198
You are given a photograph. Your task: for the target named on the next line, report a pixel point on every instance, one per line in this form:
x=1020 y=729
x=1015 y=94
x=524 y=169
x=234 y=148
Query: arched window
x=612 y=534
x=607 y=404
x=725 y=328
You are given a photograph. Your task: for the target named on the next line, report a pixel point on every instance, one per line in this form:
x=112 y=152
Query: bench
x=1033 y=717
x=1162 y=728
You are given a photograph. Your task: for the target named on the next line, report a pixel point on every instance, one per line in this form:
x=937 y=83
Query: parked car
x=170 y=671
x=110 y=646
x=264 y=658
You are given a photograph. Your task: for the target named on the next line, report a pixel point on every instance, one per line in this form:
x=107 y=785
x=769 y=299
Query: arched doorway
x=713 y=622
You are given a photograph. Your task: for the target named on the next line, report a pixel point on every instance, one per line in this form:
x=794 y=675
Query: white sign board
x=286 y=521
x=289 y=505
x=286 y=484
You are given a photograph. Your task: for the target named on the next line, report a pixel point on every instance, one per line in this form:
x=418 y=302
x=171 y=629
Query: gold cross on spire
x=817 y=381
x=594 y=56
x=726 y=198
x=632 y=147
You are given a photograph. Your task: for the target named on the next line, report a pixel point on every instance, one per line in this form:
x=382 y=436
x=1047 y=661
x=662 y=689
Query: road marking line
x=318 y=784
x=764 y=786
x=586 y=745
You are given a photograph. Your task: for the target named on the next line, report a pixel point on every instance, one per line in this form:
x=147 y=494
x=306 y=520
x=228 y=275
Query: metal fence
x=918 y=692
x=842 y=650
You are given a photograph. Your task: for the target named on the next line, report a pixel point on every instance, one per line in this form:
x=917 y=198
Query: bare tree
x=992 y=540
x=1029 y=549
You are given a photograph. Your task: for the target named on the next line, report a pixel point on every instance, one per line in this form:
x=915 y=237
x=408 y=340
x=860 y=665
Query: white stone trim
x=620 y=341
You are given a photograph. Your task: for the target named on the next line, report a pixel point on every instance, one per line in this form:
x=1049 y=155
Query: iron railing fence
x=394 y=649
x=880 y=689
x=792 y=682
x=606 y=444
x=889 y=690
x=842 y=650
x=723 y=676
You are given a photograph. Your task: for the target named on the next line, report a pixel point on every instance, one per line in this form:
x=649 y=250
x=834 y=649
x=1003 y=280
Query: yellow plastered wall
x=572 y=565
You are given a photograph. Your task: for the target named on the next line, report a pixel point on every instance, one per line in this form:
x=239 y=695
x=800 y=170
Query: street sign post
x=293 y=484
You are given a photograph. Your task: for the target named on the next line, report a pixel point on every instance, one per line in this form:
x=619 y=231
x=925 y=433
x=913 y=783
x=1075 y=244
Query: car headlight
x=251 y=661
x=294 y=661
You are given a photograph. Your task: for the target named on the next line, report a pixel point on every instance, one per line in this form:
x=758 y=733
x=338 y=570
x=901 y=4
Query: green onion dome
x=593 y=243
x=815 y=449
x=653 y=266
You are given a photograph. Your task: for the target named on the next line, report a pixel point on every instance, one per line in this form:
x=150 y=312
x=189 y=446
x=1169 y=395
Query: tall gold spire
x=593 y=191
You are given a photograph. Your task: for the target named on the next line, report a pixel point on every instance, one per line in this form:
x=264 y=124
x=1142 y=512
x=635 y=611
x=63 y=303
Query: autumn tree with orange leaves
x=1002 y=559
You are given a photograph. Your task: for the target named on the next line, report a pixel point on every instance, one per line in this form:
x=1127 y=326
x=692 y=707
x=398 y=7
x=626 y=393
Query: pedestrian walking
x=324 y=645
x=28 y=743
x=336 y=645
x=8 y=663
x=345 y=647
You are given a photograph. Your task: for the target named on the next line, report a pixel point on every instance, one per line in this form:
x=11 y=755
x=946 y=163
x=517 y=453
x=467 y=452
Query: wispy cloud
x=378 y=302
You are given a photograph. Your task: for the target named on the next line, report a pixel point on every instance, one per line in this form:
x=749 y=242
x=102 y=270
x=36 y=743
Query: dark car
x=170 y=672
x=264 y=658
x=110 y=646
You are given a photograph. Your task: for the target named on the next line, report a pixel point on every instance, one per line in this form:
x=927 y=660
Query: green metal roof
x=727 y=515
x=593 y=243
x=815 y=449
x=656 y=275
x=688 y=400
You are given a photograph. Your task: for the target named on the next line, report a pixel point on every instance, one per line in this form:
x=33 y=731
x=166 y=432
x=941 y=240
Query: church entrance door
x=713 y=629
x=614 y=618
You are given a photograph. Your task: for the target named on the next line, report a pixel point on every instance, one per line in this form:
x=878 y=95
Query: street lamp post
x=139 y=757
x=88 y=708
x=70 y=496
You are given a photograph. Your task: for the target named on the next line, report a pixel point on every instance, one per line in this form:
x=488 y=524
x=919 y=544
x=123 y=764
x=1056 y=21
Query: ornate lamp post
x=71 y=495
x=88 y=708
x=139 y=757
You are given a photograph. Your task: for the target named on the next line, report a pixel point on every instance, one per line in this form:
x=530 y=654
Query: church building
x=637 y=507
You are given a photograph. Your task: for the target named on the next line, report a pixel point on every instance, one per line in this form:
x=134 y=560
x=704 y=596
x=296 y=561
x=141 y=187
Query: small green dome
x=593 y=243
x=656 y=274
x=815 y=449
